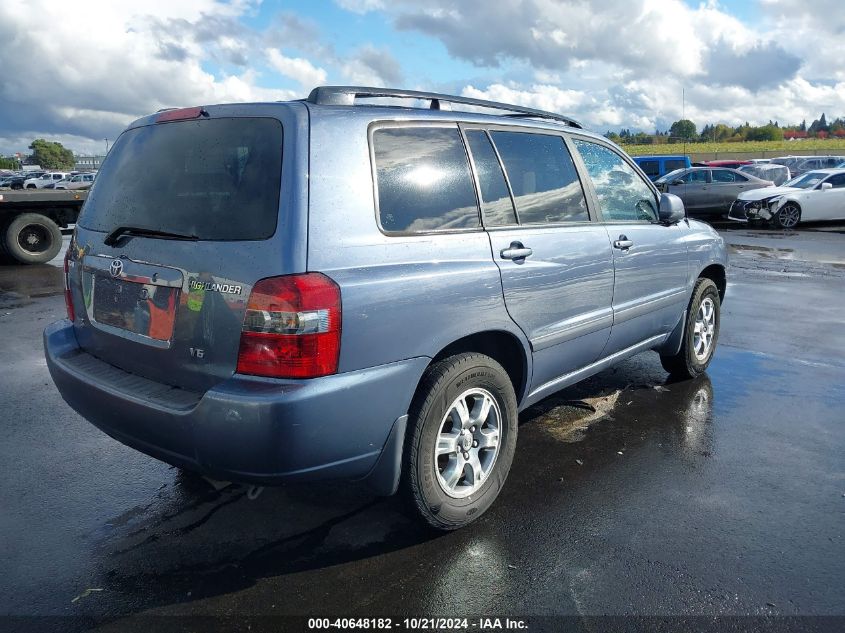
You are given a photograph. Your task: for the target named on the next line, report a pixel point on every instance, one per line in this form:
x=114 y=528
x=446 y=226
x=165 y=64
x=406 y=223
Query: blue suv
x=325 y=288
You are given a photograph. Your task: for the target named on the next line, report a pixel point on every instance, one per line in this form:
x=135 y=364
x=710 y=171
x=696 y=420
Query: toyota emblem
x=116 y=268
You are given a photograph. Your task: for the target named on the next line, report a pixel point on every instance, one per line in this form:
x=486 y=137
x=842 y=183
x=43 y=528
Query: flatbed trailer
x=31 y=222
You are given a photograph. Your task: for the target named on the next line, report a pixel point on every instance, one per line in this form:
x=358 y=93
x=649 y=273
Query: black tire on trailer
x=32 y=238
x=4 y=256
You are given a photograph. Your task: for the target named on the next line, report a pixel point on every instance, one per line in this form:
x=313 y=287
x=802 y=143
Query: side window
x=423 y=180
x=723 y=175
x=838 y=181
x=622 y=194
x=545 y=184
x=651 y=168
x=695 y=177
x=496 y=206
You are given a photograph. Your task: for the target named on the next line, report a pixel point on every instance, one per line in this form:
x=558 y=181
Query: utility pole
x=107 y=145
x=684 y=115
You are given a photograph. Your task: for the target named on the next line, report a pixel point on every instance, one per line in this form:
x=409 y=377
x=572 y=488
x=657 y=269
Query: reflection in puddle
x=567 y=423
x=682 y=410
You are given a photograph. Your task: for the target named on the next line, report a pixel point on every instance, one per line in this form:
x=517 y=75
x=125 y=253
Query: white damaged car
x=815 y=196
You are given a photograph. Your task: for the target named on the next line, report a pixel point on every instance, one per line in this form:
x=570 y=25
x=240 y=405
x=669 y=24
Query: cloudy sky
x=79 y=72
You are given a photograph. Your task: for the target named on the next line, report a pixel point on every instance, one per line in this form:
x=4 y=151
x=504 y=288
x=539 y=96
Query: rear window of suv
x=217 y=179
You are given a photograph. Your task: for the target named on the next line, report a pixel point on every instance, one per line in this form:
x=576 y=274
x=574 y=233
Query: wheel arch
x=502 y=346
x=717 y=274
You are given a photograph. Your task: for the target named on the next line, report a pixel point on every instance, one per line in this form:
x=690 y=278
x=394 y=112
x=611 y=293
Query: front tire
x=701 y=332
x=461 y=441
x=787 y=216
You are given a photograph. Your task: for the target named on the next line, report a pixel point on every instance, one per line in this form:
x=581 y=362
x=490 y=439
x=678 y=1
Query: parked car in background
x=51 y=177
x=707 y=191
x=778 y=174
x=730 y=164
x=250 y=337
x=12 y=182
x=813 y=163
x=656 y=166
x=812 y=197
x=79 y=181
x=788 y=161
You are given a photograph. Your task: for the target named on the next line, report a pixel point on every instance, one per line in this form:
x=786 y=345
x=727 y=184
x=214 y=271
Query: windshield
x=672 y=175
x=217 y=179
x=806 y=181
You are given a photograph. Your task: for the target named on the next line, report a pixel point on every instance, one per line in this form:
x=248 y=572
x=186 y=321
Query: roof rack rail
x=346 y=95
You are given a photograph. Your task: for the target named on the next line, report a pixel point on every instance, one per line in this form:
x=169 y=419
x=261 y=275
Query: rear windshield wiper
x=113 y=237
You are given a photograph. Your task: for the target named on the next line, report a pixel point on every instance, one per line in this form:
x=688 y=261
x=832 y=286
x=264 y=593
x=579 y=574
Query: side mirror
x=677 y=182
x=671 y=209
x=825 y=186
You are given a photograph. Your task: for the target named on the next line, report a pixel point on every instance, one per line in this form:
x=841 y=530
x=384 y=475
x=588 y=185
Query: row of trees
x=686 y=131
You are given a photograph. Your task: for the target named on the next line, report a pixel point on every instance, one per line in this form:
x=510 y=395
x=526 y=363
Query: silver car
x=709 y=191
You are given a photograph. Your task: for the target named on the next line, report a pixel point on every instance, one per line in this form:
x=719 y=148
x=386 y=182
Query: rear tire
x=32 y=238
x=459 y=455
x=701 y=332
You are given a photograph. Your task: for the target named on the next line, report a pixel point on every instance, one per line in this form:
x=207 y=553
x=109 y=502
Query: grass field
x=819 y=146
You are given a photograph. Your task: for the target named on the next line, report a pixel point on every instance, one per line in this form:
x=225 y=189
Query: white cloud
x=84 y=75
x=371 y=66
x=87 y=73
x=361 y=6
x=297 y=68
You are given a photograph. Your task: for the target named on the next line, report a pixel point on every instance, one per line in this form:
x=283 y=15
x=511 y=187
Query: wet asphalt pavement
x=629 y=495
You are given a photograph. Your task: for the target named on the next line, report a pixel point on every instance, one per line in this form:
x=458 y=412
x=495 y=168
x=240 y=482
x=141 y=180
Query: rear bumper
x=247 y=429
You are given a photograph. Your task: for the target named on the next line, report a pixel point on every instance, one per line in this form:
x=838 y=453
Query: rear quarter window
x=217 y=179
x=423 y=180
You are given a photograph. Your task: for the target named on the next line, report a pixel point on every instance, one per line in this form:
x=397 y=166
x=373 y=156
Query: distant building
x=88 y=162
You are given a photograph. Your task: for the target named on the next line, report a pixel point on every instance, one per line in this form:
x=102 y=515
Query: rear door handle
x=623 y=243
x=516 y=251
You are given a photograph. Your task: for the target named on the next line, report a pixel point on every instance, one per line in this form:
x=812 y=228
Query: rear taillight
x=68 y=294
x=291 y=327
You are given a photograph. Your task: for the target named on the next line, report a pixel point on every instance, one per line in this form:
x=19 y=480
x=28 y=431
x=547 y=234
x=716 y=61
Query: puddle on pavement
x=20 y=284
x=737 y=248
x=569 y=421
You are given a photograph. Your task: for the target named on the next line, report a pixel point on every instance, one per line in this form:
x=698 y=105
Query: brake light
x=291 y=327
x=179 y=114
x=68 y=294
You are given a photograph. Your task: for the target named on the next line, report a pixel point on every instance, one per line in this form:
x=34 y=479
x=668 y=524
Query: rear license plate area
x=145 y=309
